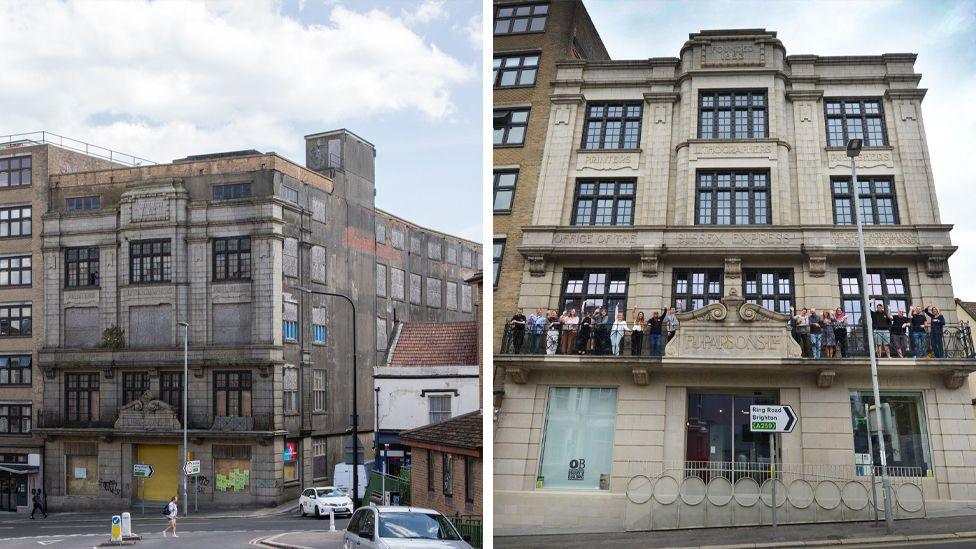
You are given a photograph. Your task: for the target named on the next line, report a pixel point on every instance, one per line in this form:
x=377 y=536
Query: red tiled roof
x=463 y=431
x=436 y=344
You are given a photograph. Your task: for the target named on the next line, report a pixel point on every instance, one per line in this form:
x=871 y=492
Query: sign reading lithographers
x=576 y=469
x=778 y=418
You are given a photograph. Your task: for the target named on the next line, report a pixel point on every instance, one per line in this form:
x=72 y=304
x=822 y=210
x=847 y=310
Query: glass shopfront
x=905 y=433
x=577 y=445
x=718 y=427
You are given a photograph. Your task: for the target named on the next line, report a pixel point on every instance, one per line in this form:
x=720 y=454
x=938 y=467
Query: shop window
x=719 y=438
x=577 y=444
x=292 y=471
x=905 y=433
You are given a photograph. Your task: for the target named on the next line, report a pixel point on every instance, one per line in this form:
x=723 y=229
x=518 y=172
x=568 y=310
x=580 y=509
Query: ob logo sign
x=577 y=469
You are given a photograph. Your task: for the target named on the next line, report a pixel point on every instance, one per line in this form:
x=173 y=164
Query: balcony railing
x=58 y=419
x=955 y=342
x=41 y=138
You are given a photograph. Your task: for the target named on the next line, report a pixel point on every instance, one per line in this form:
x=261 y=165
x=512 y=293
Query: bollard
x=331 y=519
x=126 y=525
x=117 y=528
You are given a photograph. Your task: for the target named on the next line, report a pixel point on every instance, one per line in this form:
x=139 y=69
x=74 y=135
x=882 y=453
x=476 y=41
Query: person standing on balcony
x=570 y=323
x=537 y=327
x=840 y=330
x=899 y=333
x=881 y=321
x=919 y=337
x=827 y=339
x=671 y=323
x=938 y=323
x=552 y=332
x=601 y=331
x=585 y=331
x=517 y=330
x=637 y=334
x=617 y=332
x=654 y=325
x=801 y=323
x=816 y=330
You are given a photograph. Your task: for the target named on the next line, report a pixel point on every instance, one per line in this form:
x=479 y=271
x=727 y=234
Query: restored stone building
x=717 y=182
x=226 y=243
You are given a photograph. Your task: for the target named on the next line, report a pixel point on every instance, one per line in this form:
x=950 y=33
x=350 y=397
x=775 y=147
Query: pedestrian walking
x=38 y=500
x=171 y=512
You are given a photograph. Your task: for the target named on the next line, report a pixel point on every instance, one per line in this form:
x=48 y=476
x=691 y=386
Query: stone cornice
x=662 y=97
x=912 y=93
x=567 y=99
x=804 y=95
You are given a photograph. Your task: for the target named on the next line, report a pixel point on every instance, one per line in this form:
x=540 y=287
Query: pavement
x=954 y=532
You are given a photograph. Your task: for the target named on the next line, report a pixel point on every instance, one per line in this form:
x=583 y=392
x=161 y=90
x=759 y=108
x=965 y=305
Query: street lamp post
x=853 y=150
x=186 y=386
x=355 y=396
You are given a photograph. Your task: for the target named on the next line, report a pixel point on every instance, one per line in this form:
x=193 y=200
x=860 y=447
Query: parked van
x=342 y=478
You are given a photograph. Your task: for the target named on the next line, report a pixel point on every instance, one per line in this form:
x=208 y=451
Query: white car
x=318 y=502
x=401 y=528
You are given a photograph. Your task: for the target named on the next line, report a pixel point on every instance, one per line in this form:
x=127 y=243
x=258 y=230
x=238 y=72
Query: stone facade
x=669 y=235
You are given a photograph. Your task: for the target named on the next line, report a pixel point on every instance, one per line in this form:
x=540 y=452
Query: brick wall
x=420 y=496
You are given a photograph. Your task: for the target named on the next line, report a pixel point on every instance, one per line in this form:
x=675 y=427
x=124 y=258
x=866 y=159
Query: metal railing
x=570 y=340
x=762 y=471
x=396 y=484
x=955 y=341
x=48 y=138
x=470 y=527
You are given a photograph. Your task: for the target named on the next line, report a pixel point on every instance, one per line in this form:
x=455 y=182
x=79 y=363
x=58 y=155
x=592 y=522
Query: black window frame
x=777 y=296
x=21 y=364
x=713 y=189
x=431 y=471
x=22 y=418
x=502 y=16
x=732 y=109
x=133 y=385
x=886 y=296
x=710 y=276
x=617 y=196
x=469 y=473
x=521 y=67
x=447 y=474
x=612 y=275
x=7 y=167
x=136 y=251
x=20 y=269
x=171 y=390
x=7 y=318
x=502 y=119
x=862 y=117
x=74 y=204
x=847 y=196
x=498 y=186
x=604 y=117
x=73 y=385
x=496 y=259
x=7 y=221
x=222 y=382
x=72 y=263
x=241 y=256
x=231 y=191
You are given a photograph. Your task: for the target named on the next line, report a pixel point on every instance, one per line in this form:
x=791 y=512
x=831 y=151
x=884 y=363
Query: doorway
x=719 y=441
x=165 y=461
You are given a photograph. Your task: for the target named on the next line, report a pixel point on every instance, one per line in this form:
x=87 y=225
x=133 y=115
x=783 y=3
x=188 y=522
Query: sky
x=162 y=80
x=943 y=34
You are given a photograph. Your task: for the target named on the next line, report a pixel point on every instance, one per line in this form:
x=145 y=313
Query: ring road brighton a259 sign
x=779 y=418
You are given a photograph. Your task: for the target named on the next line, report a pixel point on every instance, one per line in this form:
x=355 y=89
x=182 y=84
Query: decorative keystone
x=641 y=376
x=518 y=374
x=825 y=378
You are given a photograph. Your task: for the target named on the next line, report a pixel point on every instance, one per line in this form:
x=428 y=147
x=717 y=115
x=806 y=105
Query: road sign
x=116 y=528
x=778 y=418
x=192 y=467
x=142 y=470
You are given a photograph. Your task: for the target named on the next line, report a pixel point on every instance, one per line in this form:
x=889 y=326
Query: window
x=318 y=334
x=415 y=245
x=452 y=296
x=81 y=469
x=469 y=472
x=415 y=284
x=15 y=320
x=15 y=221
x=81 y=397
x=612 y=126
x=289 y=194
x=15 y=418
x=320 y=466
x=397 y=284
x=232 y=191
x=466 y=297
x=230 y=461
x=585 y=416
x=232 y=258
x=318 y=390
x=289 y=330
x=772 y=289
x=512 y=71
x=232 y=394
x=731 y=114
x=718 y=431
x=447 y=473
x=150 y=261
x=439 y=408
x=433 y=292
x=855 y=119
x=887 y=286
x=381 y=334
x=399 y=237
x=586 y=290
x=82 y=203
x=521 y=18
x=604 y=202
x=504 y=189
x=171 y=391
x=15 y=172
x=380 y=232
x=877 y=201
x=430 y=470
x=15 y=370
x=693 y=289
x=381 y=280
x=133 y=385
x=451 y=255
x=903 y=418
x=434 y=249
x=15 y=270
x=466 y=257
x=497 y=251
x=733 y=198
x=509 y=126
x=81 y=267
x=291 y=470
x=290 y=389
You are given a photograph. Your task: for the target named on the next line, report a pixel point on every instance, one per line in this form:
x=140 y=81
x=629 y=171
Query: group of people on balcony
x=596 y=332
x=825 y=334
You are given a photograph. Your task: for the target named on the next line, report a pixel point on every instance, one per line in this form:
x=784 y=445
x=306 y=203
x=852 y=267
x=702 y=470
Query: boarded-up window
x=415 y=283
x=81 y=327
x=289 y=257
x=380 y=334
x=452 y=296
x=434 y=249
x=466 y=293
x=150 y=326
x=397 y=284
x=452 y=254
x=415 y=245
x=399 y=237
x=231 y=323
x=81 y=469
x=318 y=210
x=381 y=280
x=380 y=231
x=290 y=385
x=232 y=468
x=466 y=258
x=433 y=292
x=318 y=264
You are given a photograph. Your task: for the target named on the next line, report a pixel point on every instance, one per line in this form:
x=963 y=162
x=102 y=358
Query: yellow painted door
x=165 y=461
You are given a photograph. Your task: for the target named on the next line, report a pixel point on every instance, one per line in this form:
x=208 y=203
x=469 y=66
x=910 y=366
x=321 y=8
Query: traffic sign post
x=142 y=470
x=117 y=528
x=192 y=467
x=772 y=419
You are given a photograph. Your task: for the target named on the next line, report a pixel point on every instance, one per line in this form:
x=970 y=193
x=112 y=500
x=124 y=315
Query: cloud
x=427 y=11
x=472 y=30
x=166 y=79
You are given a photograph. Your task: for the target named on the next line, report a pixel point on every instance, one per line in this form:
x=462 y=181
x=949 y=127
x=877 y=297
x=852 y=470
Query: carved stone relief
x=649 y=265
x=818 y=266
x=150 y=209
x=733 y=267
